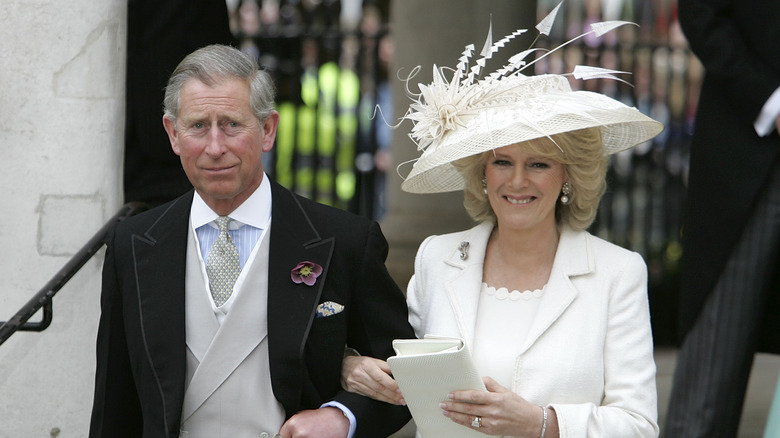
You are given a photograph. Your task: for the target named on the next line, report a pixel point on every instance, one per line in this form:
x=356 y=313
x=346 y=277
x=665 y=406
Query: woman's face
x=523 y=188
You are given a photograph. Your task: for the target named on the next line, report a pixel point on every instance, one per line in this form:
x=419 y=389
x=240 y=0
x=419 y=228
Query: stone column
x=426 y=33
x=61 y=133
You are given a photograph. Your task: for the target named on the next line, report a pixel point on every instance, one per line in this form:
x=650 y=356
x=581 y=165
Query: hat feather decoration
x=471 y=112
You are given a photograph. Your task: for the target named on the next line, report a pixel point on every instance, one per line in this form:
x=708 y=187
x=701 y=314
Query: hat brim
x=621 y=126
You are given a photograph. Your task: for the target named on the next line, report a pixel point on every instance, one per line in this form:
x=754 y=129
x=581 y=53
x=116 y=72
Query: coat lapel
x=291 y=306
x=572 y=258
x=466 y=278
x=160 y=298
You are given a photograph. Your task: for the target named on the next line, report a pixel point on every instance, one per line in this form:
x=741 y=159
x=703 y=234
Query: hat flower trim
x=447 y=105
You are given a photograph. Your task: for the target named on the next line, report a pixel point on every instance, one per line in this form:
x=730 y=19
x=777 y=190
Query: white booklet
x=427 y=370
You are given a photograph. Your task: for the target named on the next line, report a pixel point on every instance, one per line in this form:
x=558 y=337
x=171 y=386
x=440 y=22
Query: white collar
x=255 y=211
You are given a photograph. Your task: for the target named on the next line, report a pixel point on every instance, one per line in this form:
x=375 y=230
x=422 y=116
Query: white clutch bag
x=427 y=370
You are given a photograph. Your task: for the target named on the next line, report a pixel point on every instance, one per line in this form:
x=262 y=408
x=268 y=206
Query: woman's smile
x=523 y=201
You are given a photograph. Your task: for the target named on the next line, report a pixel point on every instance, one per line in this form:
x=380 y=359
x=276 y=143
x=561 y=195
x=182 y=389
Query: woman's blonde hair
x=585 y=169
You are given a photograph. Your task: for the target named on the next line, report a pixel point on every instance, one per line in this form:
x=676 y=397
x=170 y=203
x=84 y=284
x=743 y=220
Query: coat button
x=264 y=435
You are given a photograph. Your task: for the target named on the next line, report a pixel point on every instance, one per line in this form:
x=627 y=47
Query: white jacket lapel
x=467 y=278
x=463 y=279
x=572 y=258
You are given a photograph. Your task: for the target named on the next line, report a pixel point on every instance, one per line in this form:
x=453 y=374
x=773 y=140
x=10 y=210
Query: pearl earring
x=565 y=192
x=484 y=185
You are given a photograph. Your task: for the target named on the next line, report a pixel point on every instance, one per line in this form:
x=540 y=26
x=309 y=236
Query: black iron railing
x=43 y=299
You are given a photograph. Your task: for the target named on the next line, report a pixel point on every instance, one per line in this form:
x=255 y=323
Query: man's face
x=220 y=141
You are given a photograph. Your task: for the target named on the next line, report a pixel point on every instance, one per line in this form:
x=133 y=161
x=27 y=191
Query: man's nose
x=215 y=145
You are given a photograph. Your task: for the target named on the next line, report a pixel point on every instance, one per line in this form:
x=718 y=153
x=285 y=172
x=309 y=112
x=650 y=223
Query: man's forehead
x=227 y=94
x=218 y=82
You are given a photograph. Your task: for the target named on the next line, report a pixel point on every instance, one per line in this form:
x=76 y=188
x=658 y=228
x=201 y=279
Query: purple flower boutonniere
x=306 y=272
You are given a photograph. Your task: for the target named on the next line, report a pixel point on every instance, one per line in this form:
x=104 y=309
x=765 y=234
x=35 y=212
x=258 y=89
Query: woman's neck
x=520 y=260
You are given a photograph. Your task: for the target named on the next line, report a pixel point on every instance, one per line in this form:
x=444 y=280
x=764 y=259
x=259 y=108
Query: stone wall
x=61 y=135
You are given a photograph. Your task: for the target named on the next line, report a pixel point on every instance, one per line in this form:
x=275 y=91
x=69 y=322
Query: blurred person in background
x=159 y=35
x=729 y=292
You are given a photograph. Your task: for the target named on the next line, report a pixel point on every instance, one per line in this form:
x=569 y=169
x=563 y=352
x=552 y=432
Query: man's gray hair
x=213 y=64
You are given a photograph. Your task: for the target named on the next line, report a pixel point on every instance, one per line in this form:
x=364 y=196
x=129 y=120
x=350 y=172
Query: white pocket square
x=329 y=308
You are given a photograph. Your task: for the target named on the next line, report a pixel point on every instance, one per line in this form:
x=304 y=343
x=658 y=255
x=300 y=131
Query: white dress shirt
x=765 y=123
x=250 y=220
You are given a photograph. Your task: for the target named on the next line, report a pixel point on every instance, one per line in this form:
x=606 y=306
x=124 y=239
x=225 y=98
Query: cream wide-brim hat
x=531 y=107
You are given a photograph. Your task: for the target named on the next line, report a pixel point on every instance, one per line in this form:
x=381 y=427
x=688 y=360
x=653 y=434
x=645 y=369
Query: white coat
x=589 y=352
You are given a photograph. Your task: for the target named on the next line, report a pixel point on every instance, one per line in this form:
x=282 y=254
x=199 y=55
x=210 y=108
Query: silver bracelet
x=544 y=422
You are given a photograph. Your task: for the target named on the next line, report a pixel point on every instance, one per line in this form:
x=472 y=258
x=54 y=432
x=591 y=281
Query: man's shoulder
x=146 y=219
x=322 y=213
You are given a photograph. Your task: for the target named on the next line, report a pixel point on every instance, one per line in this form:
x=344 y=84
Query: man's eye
x=198 y=125
x=230 y=127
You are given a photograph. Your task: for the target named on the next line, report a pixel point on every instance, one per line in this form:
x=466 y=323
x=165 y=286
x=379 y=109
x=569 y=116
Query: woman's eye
x=501 y=163
x=540 y=165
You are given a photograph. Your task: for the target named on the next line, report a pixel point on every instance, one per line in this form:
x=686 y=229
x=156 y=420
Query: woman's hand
x=500 y=411
x=370 y=377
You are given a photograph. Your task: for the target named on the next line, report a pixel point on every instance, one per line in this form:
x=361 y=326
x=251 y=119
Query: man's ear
x=170 y=128
x=269 y=131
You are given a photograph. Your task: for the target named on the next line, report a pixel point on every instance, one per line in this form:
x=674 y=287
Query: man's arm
x=116 y=411
x=716 y=39
x=378 y=316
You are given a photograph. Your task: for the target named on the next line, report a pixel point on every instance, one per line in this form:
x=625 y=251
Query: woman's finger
x=370 y=377
x=469 y=416
x=493 y=386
